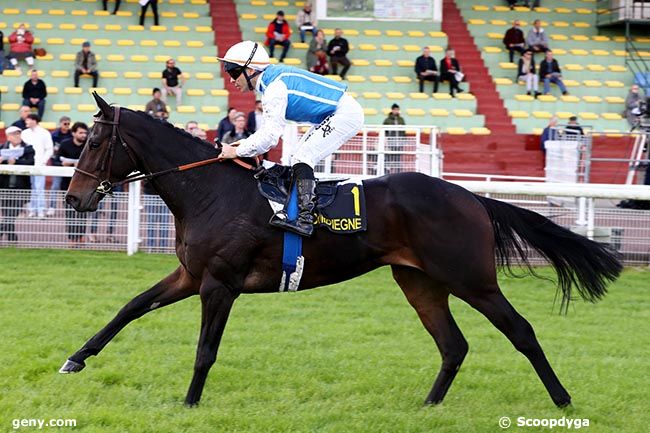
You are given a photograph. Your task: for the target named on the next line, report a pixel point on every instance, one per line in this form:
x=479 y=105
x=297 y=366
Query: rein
x=106 y=186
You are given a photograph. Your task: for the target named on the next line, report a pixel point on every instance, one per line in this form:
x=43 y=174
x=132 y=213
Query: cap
x=394 y=106
x=281 y=13
x=573 y=118
x=85 y=44
x=12 y=130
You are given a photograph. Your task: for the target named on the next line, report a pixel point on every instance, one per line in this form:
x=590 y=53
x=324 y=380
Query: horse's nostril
x=72 y=200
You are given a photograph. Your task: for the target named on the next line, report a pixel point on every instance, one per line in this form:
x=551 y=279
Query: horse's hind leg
x=494 y=305
x=175 y=287
x=430 y=301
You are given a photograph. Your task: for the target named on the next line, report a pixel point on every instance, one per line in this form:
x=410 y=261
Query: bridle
x=107 y=187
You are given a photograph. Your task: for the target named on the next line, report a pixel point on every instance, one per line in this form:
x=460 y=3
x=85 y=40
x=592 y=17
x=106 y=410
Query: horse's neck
x=192 y=192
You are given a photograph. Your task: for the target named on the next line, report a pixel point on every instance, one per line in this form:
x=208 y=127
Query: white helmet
x=248 y=54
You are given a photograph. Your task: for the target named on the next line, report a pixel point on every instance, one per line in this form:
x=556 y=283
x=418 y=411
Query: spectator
x=426 y=70
x=41 y=140
x=200 y=133
x=2 y=52
x=633 y=103
x=514 y=40
x=143 y=10
x=20 y=47
x=338 y=49
x=450 y=71
x=239 y=132
x=573 y=128
x=318 y=43
x=306 y=21
x=34 y=93
x=12 y=204
x=537 y=40
x=117 y=5
x=85 y=64
x=69 y=153
x=278 y=33
x=394 y=139
x=548 y=133
x=191 y=126
x=550 y=72
x=321 y=67
x=227 y=123
x=171 y=84
x=59 y=135
x=24 y=111
x=526 y=73
x=157 y=107
x=255 y=117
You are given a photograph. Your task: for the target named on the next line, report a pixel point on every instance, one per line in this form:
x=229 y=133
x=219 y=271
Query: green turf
x=350 y=358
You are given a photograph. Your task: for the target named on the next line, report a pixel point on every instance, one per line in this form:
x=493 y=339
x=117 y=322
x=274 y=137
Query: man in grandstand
x=292 y=94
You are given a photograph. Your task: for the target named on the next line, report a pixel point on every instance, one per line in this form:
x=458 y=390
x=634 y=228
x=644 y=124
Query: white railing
x=376 y=150
x=132 y=222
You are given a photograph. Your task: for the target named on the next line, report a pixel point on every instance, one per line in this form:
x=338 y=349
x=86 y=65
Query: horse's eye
x=94 y=145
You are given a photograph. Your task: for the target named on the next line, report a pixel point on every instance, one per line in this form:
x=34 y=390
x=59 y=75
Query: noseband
x=107 y=187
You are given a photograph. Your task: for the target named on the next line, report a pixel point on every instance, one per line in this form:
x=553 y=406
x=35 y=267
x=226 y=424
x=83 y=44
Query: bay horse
x=438 y=238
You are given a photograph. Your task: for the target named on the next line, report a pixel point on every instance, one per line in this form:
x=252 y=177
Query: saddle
x=340 y=206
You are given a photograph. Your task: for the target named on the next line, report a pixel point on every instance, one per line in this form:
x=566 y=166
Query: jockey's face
x=241 y=84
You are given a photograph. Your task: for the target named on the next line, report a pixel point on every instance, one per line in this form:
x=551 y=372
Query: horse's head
x=105 y=159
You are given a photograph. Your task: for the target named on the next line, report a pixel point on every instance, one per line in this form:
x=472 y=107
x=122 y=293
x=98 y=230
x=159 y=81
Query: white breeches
x=322 y=140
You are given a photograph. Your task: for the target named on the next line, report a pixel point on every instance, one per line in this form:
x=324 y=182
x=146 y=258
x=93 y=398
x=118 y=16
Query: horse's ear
x=106 y=109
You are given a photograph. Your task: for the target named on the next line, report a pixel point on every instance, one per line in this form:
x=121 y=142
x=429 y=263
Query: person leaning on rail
x=290 y=93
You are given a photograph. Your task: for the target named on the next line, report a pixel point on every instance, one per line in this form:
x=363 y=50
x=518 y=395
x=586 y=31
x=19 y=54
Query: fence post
x=591 y=217
x=133 y=219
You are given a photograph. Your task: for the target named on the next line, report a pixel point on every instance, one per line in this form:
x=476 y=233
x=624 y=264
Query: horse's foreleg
x=431 y=303
x=503 y=315
x=216 y=302
x=175 y=287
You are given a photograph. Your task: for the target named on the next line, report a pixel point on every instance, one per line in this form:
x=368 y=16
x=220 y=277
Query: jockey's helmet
x=242 y=55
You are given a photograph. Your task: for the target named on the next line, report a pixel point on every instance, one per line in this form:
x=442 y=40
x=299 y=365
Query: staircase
x=503 y=151
x=225 y=23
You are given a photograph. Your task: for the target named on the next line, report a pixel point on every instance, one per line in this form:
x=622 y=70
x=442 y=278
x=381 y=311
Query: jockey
x=292 y=94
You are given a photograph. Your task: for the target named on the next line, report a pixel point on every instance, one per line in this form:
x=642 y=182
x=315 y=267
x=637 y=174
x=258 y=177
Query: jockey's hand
x=228 y=152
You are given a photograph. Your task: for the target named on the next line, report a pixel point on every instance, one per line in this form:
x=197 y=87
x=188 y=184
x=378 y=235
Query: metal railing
x=376 y=150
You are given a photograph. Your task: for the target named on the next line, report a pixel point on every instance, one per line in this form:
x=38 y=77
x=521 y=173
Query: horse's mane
x=183 y=133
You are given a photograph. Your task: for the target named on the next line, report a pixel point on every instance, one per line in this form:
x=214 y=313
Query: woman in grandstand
x=290 y=93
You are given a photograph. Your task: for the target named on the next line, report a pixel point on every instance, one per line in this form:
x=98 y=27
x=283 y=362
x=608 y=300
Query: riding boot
x=304 y=223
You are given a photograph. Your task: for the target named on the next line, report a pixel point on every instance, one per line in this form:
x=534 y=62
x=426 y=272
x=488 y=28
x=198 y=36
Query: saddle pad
x=347 y=211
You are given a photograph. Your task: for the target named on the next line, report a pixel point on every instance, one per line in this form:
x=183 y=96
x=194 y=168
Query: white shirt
x=259 y=120
x=274 y=101
x=41 y=141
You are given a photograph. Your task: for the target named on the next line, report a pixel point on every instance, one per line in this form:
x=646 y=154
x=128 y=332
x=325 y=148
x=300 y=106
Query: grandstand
x=490 y=128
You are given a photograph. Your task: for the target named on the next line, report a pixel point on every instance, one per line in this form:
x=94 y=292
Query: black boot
x=304 y=224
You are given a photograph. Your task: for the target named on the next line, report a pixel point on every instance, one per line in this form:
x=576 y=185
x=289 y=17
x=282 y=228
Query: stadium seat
x=60 y=107
x=439 y=112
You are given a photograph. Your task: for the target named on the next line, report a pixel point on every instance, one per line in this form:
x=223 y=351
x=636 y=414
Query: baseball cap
x=85 y=44
x=394 y=106
x=12 y=130
x=281 y=13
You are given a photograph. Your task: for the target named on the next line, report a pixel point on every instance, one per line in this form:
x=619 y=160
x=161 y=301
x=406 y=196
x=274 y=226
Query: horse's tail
x=579 y=262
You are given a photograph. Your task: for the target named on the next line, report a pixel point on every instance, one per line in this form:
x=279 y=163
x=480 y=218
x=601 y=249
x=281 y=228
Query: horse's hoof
x=71 y=366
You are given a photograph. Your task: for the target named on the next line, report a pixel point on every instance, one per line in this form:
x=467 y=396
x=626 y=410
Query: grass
x=351 y=358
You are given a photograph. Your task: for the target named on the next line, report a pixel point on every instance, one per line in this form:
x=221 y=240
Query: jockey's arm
x=274 y=102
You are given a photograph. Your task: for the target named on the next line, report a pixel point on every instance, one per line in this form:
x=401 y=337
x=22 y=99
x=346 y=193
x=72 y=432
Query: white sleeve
x=49 y=145
x=274 y=103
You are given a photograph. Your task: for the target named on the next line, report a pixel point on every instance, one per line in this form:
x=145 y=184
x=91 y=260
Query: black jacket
x=13 y=181
x=423 y=63
x=545 y=68
x=251 y=123
x=340 y=42
x=443 y=65
x=31 y=90
x=520 y=67
x=68 y=150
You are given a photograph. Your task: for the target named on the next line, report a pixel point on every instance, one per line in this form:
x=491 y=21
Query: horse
x=438 y=238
